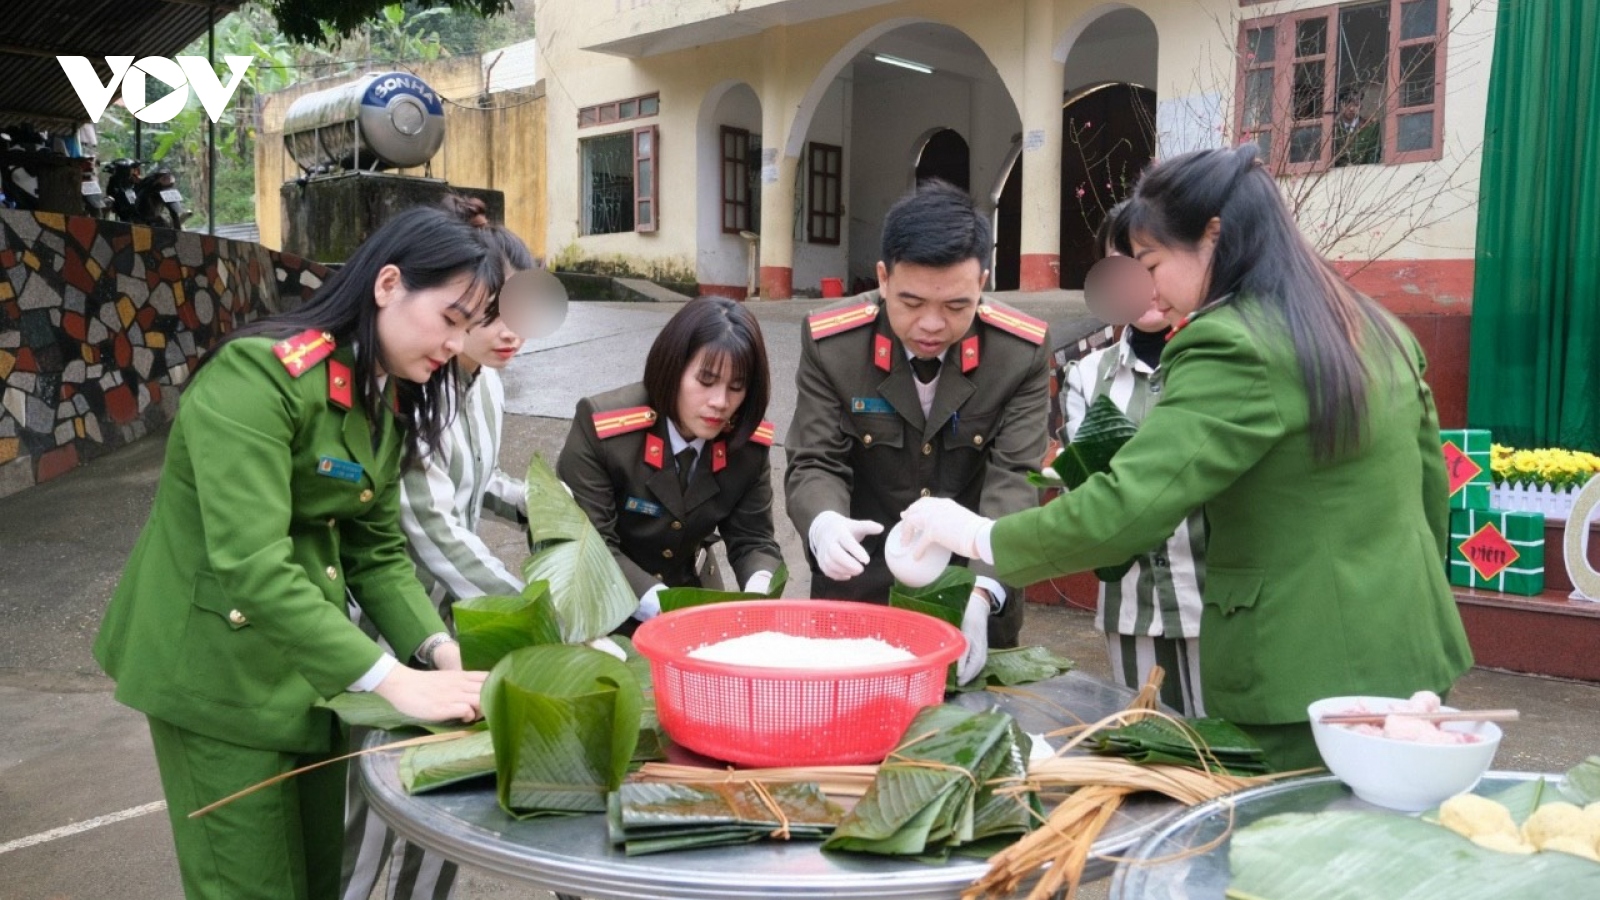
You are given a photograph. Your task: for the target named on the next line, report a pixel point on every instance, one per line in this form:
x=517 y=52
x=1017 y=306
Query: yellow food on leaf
x=1472 y=816
x=1566 y=843
x=1554 y=820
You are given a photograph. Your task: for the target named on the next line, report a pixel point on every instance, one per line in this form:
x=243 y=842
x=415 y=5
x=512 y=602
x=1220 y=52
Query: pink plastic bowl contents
x=762 y=716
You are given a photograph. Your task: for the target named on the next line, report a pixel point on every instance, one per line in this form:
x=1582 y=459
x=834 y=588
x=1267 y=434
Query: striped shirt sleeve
x=434 y=518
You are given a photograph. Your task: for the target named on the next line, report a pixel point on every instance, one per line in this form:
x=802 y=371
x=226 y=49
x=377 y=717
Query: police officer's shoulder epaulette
x=763 y=434
x=304 y=350
x=829 y=322
x=623 y=421
x=1012 y=322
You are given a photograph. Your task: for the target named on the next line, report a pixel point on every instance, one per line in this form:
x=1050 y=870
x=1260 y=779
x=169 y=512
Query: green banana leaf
x=428 y=766
x=564 y=721
x=1582 y=782
x=652 y=745
x=935 y=791
x=553 y=515
x=490 y=627
x=587 y=589
x=674 y=599
x=366 y=709
x=651 y=818
x=1018 y=665
x=1351 y=855
x=1104 y=430
x=1151 y=741
x=943 y=598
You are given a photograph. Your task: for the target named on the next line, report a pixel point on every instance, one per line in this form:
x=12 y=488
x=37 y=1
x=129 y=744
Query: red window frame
x=643 y=106
x=646 y=179
x=824 y=193
x=1280 y=129
x=735 y=172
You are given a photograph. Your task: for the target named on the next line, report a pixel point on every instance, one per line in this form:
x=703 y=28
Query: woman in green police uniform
x=661 y=465
x=280 y=490
x=1294 y=411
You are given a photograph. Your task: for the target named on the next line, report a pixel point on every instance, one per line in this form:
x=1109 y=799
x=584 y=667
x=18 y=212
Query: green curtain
x=1535 y=367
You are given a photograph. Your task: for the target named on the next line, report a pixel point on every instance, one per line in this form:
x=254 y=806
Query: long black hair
x=726 y=330
x=430 y=246
x=1263 y=265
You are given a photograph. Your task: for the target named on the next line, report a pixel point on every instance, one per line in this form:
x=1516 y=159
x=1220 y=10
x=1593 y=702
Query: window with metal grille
x=1352 y=84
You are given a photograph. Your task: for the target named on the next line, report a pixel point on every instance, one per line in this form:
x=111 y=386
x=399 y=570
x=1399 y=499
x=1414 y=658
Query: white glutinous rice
x=776 y=650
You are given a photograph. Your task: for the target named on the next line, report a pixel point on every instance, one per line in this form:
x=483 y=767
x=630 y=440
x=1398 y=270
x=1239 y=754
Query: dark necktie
x=926 y=370
x=685 y=458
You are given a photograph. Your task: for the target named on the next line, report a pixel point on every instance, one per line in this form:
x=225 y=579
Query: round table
x=572 y=855
x=1151 y=872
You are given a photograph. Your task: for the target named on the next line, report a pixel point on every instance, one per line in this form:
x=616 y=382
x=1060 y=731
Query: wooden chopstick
x=1465 y=715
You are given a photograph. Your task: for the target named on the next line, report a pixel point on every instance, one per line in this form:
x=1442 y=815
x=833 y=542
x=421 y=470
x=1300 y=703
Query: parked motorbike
x=141 y=199
x=21 y=145
x=95 y=202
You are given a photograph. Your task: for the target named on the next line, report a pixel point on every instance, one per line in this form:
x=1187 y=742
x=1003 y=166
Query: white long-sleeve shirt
x=441 y=504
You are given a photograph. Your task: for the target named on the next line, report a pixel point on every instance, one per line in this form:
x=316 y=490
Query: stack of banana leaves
x=937 y=792
x=564 y=722
x=1104 y=430
x=1215 y=745
x=1344 y=854
x=652 y=818
x=946 y=598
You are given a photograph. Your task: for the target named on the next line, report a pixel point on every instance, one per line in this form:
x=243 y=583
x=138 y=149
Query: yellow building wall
x=494 y=141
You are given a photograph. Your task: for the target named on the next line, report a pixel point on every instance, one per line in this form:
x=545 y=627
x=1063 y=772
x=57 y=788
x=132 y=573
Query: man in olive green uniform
x=924 y=387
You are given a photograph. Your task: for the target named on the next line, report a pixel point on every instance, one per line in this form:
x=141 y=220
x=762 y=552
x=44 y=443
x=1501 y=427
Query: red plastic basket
x=794 y=717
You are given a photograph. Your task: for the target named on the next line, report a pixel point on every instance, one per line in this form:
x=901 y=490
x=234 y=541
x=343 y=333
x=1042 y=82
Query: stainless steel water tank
x=381 y=120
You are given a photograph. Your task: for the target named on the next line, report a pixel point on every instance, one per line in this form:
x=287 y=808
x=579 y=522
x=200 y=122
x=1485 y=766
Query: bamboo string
x=782 y=831
x=396 y=745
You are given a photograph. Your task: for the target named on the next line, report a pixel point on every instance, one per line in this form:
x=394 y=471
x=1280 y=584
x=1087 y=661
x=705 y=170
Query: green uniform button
x=925 y=492
x=927 y=449
x=667 y=554
x=677 y=526
x=977 y=439
x=333 y=574
x=333 y=523
x=366 y=496
x=866 y=439
x=237 y=618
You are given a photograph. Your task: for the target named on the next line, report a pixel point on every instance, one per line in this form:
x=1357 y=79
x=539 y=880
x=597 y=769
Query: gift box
x=1466 y=462
x=1497 y=550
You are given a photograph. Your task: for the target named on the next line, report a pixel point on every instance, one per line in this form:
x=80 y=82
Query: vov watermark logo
x=181 y=74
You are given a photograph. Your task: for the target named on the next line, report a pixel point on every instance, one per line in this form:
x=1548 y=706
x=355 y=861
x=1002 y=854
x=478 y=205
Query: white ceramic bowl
x=909 y=570
x=1401 y=775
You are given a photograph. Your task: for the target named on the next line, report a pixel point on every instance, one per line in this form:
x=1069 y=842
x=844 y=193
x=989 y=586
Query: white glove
x=607 y=645
x=942 y=521
x=836 y=543
x=975 y=628
x=759 y=582
x=650 y=604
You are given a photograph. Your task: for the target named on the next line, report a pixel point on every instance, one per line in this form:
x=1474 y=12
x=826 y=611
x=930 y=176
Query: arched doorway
x=1108 y=137
x=1108 y=118
x=728 y=157
x=945 y=156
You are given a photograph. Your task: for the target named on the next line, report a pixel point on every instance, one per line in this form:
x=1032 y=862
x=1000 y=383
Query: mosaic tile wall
x=101 y=323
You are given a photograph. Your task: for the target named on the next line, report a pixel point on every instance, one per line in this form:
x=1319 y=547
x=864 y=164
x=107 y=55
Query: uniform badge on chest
x=643 y=507
x=342 y=469
x=870 y=405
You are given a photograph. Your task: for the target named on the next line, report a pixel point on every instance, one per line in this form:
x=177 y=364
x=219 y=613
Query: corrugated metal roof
x=33 y=86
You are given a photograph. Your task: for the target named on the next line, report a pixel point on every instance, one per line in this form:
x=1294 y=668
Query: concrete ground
x=78 y=787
